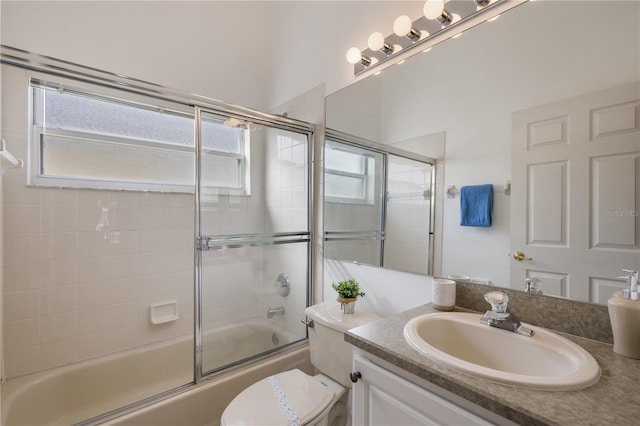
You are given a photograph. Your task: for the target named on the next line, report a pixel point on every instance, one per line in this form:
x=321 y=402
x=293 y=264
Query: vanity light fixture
x=436 y=25
x=403 y=27
x=482 y=3
x=354 y=56
x=434 y=10
x=376 y=42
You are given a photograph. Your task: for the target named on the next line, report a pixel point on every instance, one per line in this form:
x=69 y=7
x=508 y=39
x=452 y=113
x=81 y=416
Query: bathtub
x=80 y=391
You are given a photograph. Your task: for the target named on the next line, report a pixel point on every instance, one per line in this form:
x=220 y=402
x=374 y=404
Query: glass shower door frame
x=207 y=242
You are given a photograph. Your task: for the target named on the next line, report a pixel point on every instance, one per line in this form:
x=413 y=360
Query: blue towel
x=476 y=204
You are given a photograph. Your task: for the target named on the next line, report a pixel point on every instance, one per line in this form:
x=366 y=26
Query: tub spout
x=272 y=312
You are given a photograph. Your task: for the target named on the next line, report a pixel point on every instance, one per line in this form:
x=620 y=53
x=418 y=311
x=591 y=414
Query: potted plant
x=348 y=292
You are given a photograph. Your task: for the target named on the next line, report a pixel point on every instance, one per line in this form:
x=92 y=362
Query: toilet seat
x=279 y=400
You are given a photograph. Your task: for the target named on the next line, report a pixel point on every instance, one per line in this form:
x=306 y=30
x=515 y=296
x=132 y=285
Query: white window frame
x=36 y=132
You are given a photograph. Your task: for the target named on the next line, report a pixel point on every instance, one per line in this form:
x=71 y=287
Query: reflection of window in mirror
x=349 y=174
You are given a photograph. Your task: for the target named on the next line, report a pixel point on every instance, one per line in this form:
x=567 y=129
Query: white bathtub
x=77 y=392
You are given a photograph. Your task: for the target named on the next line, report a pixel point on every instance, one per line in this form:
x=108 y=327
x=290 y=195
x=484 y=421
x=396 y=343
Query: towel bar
x=15 y=162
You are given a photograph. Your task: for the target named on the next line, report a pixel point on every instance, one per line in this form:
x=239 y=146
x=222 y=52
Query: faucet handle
x=531 y=286
x=498 y=300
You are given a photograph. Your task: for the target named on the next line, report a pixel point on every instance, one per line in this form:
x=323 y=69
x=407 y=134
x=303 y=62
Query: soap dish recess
x=161 y=313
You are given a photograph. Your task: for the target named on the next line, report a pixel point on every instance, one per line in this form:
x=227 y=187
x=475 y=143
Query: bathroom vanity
x=421 y=388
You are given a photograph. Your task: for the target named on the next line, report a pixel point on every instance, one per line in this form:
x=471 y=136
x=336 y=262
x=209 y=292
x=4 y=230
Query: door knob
x=520 y=256
x=355 y=376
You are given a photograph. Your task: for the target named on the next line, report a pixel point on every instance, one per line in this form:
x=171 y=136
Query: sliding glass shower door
x=253 y=238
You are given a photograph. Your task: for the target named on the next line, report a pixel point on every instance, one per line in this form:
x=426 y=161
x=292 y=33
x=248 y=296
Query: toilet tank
x=330 y=354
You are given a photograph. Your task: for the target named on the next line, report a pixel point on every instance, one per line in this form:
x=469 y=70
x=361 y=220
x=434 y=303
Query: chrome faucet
x=272 y=312
x=499 y=317
x=531 y=286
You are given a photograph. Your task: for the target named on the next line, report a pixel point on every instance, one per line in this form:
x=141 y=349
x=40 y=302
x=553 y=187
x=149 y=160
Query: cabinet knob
x=355 y=376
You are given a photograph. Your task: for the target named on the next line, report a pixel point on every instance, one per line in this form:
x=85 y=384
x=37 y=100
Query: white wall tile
x=22 y=361
x=151 y=241
x=21 y=333
x=123 y=338
x=178 y=218
x=177 y=261
x=59 y=245
x=20 y=276
x=93 y=243
x=58 y=197
x=178 y=239
x=93 y=320
x=180 y=282
x=151 y=217
x=57 y=353
x=92 y=345
x=56 y=300
x=95 y=198
x=150 y=199
x=124 y=266
x=123 y=242
x=92 y=218
x=179 y=200
x=16 y=192
x=59 y=272
x=123 y=218
x=92 y=295
x=58 y=327
x=21 y=219
x=93 y=269
x=22 y=247
x=123 y=199
x=21 y=305
x=152 y=286
x=123 y=315
x=56 y=218
x=150 y=264
x=121 y=291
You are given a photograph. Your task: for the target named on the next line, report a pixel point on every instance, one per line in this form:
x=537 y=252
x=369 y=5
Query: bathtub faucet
x=272 y=312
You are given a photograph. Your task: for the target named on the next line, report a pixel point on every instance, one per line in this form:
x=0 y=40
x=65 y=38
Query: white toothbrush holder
x=443 y=294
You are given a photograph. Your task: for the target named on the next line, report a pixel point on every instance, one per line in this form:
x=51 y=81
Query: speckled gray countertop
x=614 y=400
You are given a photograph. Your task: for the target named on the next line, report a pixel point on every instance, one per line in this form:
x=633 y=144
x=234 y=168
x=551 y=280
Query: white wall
x=258 y=54
x=211 y=48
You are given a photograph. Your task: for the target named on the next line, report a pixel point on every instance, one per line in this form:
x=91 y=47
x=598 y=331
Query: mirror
x=468 y=89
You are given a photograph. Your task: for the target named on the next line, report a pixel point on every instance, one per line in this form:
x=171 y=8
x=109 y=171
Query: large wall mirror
x=544 y=101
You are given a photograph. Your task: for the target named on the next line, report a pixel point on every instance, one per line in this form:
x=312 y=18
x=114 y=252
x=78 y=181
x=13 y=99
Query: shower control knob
x=355 y=376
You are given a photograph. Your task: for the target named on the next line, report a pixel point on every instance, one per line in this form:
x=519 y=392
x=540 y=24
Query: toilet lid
x=289 y=398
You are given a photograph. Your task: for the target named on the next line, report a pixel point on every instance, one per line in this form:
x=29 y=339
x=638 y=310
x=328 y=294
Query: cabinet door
x=384 y=398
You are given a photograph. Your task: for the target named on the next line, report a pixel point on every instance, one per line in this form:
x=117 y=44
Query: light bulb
x=433 y=9
x=402 y=25
x=376 y=41
x=354 y=55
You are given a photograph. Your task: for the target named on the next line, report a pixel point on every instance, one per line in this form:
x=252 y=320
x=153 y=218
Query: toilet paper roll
x=443 y=294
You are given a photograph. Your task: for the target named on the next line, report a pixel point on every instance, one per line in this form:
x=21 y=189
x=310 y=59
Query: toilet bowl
x=295 y=398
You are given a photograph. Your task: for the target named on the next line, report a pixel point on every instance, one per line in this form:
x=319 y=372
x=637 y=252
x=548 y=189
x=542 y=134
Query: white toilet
x=295 y=398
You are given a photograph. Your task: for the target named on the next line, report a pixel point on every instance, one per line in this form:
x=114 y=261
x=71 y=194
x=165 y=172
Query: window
x=94 y=137
x=349 y=174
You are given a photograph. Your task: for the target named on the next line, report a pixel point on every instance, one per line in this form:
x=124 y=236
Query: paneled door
x=576 y=193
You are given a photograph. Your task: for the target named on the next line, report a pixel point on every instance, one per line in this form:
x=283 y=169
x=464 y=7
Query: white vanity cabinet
x=382 y=397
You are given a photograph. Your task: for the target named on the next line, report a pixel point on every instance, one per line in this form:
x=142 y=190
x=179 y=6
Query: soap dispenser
x=624 y=313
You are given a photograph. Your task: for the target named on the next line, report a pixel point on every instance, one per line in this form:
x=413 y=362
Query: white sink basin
x=543 y=361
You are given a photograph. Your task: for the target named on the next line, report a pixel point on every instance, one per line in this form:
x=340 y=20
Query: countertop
x=614 y=400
